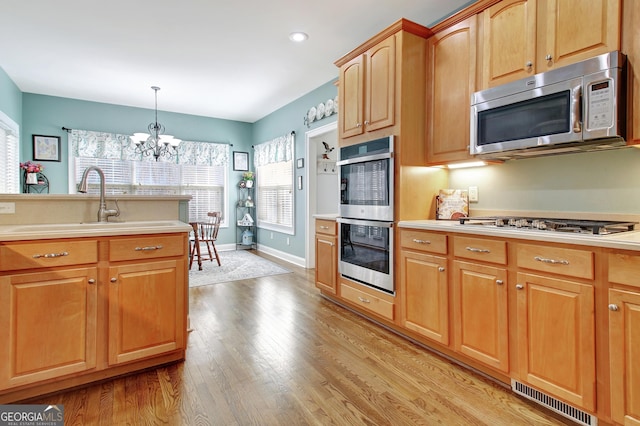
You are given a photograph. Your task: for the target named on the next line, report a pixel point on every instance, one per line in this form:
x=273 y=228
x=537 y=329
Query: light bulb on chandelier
x=155 y=142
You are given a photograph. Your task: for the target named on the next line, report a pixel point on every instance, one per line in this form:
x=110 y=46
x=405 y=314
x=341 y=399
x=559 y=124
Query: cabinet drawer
x=41 y=254
x=563 y=261
x=424 y=241
x=624 y=269
x=327 y=227
x=146 y=247
x=372 y=303
x=481 y=249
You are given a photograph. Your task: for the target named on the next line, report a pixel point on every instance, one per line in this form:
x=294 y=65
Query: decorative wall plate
x=311 y=115
x=328 y=107
x=319 y=111
x=335 y=104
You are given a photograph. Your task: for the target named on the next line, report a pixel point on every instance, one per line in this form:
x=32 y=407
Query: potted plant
x=247 y=178
x=31 y=169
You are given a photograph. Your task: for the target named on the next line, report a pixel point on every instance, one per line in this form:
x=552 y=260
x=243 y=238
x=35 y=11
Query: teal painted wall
x=10 y=98
x=286 y=119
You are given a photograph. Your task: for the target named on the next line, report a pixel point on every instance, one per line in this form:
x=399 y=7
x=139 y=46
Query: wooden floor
x=272 y=351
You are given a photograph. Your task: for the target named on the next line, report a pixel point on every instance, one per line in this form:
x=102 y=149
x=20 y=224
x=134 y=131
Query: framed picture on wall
x=240 y=161
x=46 y=148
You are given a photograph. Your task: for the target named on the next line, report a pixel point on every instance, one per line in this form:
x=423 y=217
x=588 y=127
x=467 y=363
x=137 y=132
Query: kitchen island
x=82 y=301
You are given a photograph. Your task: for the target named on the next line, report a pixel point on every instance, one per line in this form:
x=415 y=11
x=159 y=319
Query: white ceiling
x=213 y=58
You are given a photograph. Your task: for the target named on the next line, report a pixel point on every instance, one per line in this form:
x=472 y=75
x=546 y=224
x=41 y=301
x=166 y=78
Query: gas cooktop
x=591 y=227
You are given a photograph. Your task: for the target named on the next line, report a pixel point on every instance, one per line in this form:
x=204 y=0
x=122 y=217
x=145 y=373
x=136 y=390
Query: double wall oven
x=366 y=213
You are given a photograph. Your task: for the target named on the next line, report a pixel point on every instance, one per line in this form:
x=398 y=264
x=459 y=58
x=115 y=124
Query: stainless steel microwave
x=580 y=107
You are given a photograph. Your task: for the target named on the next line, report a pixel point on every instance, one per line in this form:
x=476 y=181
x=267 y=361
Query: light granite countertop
x=90 y=229
x=624 y=241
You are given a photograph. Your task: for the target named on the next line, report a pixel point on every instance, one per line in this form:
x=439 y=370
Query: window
x=9 y=156
x=274 y=184
x=206 y=183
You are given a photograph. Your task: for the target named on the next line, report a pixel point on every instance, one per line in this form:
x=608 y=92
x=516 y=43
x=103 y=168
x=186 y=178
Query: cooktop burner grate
x=593 y=227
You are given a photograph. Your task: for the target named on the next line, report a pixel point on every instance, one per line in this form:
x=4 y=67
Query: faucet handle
x=117 y=211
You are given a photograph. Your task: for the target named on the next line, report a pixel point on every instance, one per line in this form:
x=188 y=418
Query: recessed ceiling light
x=298 y=37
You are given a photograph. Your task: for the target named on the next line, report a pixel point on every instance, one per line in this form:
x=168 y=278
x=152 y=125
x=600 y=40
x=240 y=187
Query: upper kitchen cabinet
x=525 y=37
x=367 y=98
x=382 y=90
x=631 y=47
x=508 y=47
x=451 y=79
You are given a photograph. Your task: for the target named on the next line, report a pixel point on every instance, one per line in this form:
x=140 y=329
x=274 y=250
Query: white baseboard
x=296 y=260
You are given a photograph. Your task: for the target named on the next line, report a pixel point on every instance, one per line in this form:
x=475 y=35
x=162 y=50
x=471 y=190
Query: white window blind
x=273 y=161
x=275 y=195
x=9 y=156
x=206 y=183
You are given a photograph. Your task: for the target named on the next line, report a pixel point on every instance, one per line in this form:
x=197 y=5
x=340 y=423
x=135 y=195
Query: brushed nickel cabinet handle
x=113 y=280
x=529 y=64
x=548 y=57
x=324 y=227
x=499 y=282
x=417 y=241
x=441 y=269
x=477 y=250
x=92 y=281
x=363 y=300
x=519 y=286
x=148 y=248
x=613 y=307
x=551 y=261
x=51 y=255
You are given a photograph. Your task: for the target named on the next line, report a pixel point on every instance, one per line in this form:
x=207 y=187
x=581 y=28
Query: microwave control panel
x=600 y=99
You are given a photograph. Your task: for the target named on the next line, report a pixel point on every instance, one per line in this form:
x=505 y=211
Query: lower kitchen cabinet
x=326 y=273
x=556 y=337
x=480 y=313
x=624 y=350
x=145 y=312
x=49 y=325
x=425 y=295
x=94 y=308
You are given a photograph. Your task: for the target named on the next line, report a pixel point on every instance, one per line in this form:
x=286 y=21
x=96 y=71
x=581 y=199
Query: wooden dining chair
x=207 y=233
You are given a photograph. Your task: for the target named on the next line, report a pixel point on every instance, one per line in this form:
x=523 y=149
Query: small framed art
x=240 y=161
x=46 y=148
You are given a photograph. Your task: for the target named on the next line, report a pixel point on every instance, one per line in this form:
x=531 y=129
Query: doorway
x=322 y=196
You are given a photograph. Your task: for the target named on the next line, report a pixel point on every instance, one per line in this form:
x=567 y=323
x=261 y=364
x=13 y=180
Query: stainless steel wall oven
x=366 y=252
x=366 y=210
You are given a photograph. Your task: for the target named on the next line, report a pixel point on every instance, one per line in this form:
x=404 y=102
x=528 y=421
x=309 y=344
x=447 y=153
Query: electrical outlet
x=473 y=194
x=7 y=208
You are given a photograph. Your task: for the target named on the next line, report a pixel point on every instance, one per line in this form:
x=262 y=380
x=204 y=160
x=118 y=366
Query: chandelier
x=155 y=142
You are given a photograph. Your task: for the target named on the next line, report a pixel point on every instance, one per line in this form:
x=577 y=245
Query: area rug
x=236 y=265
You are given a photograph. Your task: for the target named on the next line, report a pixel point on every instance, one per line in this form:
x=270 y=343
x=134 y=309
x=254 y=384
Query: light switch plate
x=7 y=208
x=473 y=194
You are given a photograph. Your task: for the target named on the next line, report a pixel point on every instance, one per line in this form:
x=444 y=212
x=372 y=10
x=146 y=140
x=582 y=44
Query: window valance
x=277 y=150
x=91 y=144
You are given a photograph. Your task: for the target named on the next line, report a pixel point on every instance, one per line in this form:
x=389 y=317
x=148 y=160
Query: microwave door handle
x=576 y=101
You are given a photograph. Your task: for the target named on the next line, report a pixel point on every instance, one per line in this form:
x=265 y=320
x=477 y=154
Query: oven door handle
x=364 y=222
x=366 y=158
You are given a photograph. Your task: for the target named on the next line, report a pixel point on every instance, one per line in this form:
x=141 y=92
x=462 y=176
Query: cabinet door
x=556 y=337
x=49 y=325
x=624 y=349
x=450 y=83
x=425 y=295
x=146 y=315
x=326 y=263
x=351 y=98
x=572 y=31
x=381 y=88
x=509 y=42
x=481 y=328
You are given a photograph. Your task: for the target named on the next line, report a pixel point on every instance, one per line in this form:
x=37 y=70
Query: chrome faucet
x=103 y=212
